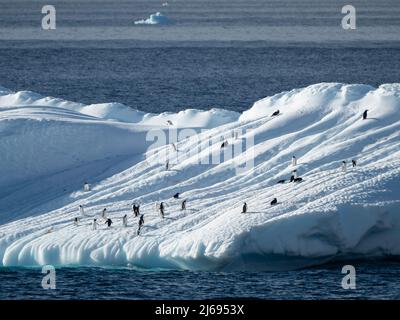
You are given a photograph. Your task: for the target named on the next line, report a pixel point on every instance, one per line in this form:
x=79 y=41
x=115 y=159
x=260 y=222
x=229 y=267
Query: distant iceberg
x=156 y=18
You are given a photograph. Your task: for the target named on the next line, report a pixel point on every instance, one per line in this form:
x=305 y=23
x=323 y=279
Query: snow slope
x=189 y=118
x=52 y=146
x=330 y=215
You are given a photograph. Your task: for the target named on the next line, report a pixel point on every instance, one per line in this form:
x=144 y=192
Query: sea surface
x=374 y=280
x=217 y=53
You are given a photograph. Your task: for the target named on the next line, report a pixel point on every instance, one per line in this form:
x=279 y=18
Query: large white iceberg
x=330 y=215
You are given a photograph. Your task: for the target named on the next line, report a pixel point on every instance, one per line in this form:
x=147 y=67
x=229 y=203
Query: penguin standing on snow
x=176 y=195
x=141 y=222
x=365 y=114
x=344 y=166
x=81 y=210
x=109 y=222
x=183 y=207
x=86 y=187
x=125 y=221
x=354 y=162
x=274 y=202
x=76 y=222
x=135 y=209
x=161 y=208
x=103 y=213
x=94 y=224
x=294 y=161
x=244 y=210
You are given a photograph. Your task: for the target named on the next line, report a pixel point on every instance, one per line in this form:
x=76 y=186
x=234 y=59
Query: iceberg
x=53 y=146
x=156 y=18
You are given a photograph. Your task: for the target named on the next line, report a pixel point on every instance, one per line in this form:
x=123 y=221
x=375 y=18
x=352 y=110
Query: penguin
x=275 y=113
x=86 y=187
x=161 y=207
x=141 y=222
x=365 y=114
x=108 y=222
x=94 y=224
x=125 y=220
x=76 y=221
x=244 y=210
x=274 y=202
x=344 y=166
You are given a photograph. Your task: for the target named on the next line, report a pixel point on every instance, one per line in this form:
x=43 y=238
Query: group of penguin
x=294 y=177
x=136 y=208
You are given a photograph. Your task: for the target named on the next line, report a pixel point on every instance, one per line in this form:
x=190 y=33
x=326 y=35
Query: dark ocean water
x=223 y=53
x=378 y=280
x=219 y=53
x=175 y=78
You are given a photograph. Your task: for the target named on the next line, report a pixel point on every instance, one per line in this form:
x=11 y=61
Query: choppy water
x=161 y=79
x=373 y=281
x=220 y=53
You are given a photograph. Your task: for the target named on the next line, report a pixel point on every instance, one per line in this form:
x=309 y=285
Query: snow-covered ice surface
x=49 y=147
x=189 y=118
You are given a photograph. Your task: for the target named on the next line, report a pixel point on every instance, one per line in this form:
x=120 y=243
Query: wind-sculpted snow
x=330 y=215
x=189 y=118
